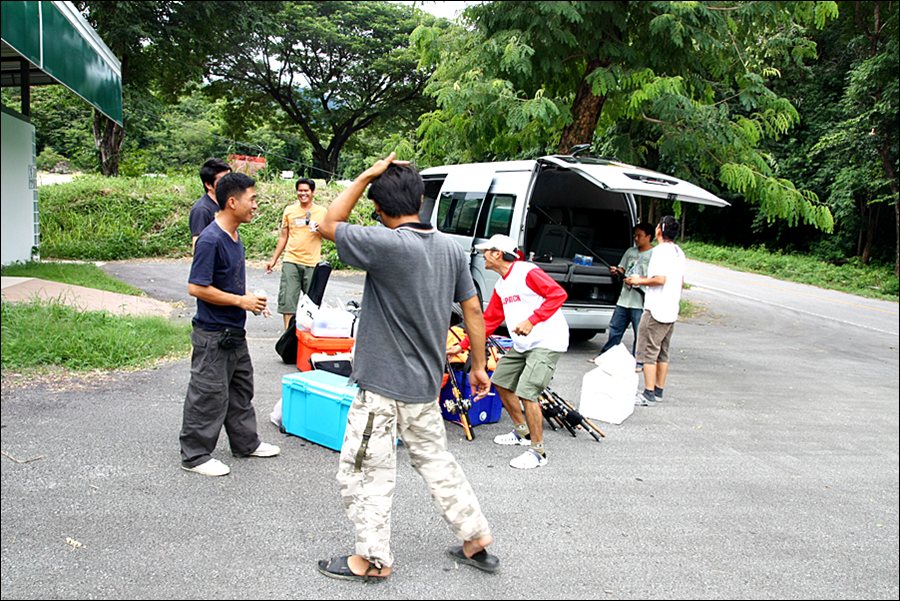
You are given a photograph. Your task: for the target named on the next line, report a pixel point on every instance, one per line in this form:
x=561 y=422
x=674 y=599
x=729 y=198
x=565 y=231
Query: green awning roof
x=61 y=48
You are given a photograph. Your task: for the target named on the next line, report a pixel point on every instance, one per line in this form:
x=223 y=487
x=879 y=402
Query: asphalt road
x=770 y=472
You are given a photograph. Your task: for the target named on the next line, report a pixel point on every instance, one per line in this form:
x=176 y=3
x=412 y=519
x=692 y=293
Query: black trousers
x=219 y=393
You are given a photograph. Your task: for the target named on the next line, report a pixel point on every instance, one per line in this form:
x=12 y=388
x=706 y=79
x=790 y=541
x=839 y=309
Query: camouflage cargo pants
x=368 y=471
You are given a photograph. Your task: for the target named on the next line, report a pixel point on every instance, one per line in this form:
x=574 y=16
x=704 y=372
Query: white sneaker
x=265 y=450
x=213 y=467
x=528 y=460
x=641 y=401
x=511 y=438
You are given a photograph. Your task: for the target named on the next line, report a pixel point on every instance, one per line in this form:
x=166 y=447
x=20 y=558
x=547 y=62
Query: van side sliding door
x=475 y=203
x=501 y=213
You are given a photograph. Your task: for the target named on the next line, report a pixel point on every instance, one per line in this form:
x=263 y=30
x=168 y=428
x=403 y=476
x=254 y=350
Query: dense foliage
x=787 y=109
x=326 y=70
x=682 y=87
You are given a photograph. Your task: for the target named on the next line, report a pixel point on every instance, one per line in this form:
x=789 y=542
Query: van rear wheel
x=577 y=336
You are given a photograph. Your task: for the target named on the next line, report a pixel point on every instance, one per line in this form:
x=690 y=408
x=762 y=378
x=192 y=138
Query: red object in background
x=241 y=163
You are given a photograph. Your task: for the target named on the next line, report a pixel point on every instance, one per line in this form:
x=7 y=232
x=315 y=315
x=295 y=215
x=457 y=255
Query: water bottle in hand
x=262 y=294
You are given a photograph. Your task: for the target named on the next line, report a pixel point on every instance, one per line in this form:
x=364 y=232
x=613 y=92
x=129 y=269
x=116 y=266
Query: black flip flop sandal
x=339 y=568
x=482 y=560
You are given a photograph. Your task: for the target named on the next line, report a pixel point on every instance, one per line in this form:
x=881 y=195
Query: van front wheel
x=577 y=336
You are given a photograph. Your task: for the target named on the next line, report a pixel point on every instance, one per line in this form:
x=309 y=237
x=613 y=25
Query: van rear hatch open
x=628 y=179
x=585 y=206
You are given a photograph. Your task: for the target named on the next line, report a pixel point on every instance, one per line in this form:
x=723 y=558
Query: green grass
x=872 y=281
x=687 y=309
x=78 y=274
x=97 y=218
x=38 y=335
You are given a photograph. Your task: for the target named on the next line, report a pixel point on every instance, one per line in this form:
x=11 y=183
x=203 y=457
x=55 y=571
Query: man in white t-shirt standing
x=662 y=285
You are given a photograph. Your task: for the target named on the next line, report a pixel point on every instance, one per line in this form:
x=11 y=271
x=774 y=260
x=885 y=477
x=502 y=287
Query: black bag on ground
x=286 y=347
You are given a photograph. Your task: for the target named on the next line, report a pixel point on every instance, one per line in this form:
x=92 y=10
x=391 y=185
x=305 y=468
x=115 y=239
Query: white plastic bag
x=607 y=391
x=275 y=416
x=306 y=313
x=617 y=360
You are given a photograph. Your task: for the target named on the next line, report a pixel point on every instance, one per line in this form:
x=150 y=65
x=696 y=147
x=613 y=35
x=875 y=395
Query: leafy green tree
x=682 y=86
x=835 y=149
x=161 y=45
x=858 y=146
x=62 y=122
x=332 y=68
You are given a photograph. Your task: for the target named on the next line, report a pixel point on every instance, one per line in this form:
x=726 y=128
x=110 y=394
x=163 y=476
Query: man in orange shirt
x=301 y=243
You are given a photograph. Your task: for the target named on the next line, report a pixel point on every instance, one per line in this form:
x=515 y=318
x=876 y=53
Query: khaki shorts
x=653 y=340
x=528 y=373
x=295 y=280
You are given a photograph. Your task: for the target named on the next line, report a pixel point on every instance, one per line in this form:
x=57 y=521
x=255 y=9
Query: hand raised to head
x=381 y=166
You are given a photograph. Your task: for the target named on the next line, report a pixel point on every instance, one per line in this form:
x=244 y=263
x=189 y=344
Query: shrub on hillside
x=100 y=218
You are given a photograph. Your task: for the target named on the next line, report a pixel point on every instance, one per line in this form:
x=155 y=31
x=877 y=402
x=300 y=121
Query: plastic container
x=332 y=323
x=339 y=363
x=314 y=406
x=307 y=344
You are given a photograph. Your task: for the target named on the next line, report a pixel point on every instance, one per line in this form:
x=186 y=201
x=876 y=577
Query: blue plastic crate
x=485 y=411
x=314 y=406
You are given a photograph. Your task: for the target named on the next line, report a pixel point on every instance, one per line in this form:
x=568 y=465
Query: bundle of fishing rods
x=558 y=412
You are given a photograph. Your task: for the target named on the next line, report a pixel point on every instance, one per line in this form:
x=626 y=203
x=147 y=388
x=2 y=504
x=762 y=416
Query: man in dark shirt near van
x=205 y=208
x=221 y=387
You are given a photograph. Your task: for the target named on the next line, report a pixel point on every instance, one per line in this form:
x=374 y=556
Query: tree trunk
x=108 y=138
x=325 y=163
x=886 y=162
x=652 y=212
x=585 y=113
x=869 y=237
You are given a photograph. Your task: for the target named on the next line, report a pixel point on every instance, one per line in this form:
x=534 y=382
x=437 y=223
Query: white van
x=556 y=207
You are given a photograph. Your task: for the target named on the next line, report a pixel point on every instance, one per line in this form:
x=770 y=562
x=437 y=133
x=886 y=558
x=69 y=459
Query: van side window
x=497 y=217
x=432 y=187
x=458 y=212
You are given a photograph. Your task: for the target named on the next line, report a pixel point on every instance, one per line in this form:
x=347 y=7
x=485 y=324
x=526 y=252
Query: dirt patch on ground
x=56 y=379
x=60 y=379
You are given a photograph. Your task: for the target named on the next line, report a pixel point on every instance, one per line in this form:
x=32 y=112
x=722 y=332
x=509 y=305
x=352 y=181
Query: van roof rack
x=578 y=149
x=588 y=160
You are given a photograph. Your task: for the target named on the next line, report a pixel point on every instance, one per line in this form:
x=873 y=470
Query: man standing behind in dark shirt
x=221 y=387
x=204 y=210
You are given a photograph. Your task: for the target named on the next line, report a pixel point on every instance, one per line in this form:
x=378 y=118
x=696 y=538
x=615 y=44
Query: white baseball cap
x=499 y=242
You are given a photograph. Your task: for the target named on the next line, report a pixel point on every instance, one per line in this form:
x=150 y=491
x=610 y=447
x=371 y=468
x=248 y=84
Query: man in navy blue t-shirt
x=221 y=387
x=206 y=207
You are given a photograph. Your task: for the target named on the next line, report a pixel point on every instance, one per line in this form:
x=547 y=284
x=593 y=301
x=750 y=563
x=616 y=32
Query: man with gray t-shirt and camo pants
x=413 y=275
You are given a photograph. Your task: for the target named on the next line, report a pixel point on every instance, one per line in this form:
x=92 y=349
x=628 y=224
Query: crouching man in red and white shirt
x=529 y=300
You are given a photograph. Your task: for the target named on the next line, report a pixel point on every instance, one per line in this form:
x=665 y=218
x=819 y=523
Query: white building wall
x=18 y=180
